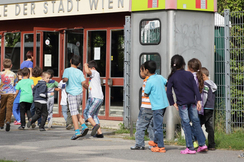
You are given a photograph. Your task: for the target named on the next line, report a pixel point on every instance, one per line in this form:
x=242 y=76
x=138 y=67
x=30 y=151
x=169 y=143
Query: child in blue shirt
x=155 y=89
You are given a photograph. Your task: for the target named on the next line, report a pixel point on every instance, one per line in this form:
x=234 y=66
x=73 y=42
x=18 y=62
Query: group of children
x=195 y=96
x=34 y=96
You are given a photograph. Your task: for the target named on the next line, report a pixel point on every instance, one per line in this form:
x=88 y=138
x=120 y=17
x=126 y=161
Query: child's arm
x=205 y=94
x=65 y=80
x=84 y=84
x=16 y=93
x=87 y=70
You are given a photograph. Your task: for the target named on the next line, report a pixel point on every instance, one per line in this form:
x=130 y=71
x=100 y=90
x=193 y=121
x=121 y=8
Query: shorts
x=74 y=103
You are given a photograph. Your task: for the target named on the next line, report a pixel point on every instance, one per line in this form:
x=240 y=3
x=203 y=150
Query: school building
x=55 y=30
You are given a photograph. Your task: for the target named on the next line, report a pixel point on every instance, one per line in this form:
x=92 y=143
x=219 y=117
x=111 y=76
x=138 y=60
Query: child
x=7 y=91
x=145 y=117
x=74 y=80
x=155 y=89
x=40 y=98
x=51 y=85
x=63 y=103
x=187 y=94
x=16 y=108
x=95 y=99
x=208 y=105
x=26 y=97
x=36 y=76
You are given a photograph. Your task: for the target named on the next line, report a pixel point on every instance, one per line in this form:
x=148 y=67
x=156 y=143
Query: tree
x=233 y=5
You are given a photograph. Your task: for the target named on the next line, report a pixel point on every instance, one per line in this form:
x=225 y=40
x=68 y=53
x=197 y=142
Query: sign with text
x=61 y=8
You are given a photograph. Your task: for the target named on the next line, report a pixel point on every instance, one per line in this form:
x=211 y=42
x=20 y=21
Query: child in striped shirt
x=145 y=118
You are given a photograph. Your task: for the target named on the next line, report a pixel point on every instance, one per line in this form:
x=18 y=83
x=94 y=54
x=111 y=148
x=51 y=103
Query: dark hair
x=46 y=73
x=51 y=72
x=37 y=71
x=75 y=60
x=92 y=64
x=205 y=71
x=177 y=63
x=150 y=66
x=25 y=71
x=19 y=72
x=29 y=54
x=195 y=65
x=7 y=63
x=142 y=67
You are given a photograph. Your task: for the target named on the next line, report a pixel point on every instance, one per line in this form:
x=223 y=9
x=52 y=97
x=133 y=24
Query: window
x=0 y=49
x=151 y=56
x=150 y=32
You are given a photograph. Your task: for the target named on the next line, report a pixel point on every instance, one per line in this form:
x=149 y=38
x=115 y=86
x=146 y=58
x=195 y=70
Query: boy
x=7 y=91
x=145 y=118
x=208 y=101
x=40 y=98
x=51 y=86
x=74 y=79
x=95 y=99
x=26 y=97
x=155 y=89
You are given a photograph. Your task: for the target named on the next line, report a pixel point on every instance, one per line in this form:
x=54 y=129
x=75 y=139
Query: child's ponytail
x=177 y=62
x=200 y=80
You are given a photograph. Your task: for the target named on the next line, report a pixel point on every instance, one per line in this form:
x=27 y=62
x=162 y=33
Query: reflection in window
x=154 y=57
x=28 y=44
x=12 y=49
x=150 y=31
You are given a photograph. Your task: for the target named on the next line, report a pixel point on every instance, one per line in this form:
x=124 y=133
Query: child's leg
x=22 y=113
x=32 y=109
x=16 y=112
x=64 y=111
x=193 y=115
x=9 y=107
x=209 y=127
x=150 y=130
x=3 y=109
x=143 y=121
x=28 y=113
x=37 y=113
x=44 y=115
x=50 y=112
x=185 y=123
x=69 y=118
x=158 y=126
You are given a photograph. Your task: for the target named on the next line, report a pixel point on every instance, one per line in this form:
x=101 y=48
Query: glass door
x=50 y=57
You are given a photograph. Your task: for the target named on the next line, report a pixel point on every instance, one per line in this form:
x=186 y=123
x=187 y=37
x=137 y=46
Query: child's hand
x=52 y=93
x=199 y=106
x=176 y=106
x=85 y=64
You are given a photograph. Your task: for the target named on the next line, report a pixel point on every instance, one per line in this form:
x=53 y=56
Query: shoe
x=202 y=149
x=150 y=147
x=29 y=123
x=50 y=122
x=17 y=123
x=195 y=145
x=158 y=149
x=7 y=126
x=21 y=128
x=42 y=129
x=98 y=136
x=1 y=127
x=74 y=137
x=211 y=148
x=68 y=126
x=137 y=148
x=187 y=151
x=33 y=125
x=84 y=132
x=153 y=144
x=94 y=129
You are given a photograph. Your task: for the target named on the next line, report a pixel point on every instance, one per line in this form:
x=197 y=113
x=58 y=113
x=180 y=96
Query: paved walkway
x=55 y=145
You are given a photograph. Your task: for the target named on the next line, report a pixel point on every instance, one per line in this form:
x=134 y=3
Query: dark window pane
x=97 y=49
x=102 y=109
x=117 y=55
x=0 y=49
x=28 y=44
x=12 y=49
x=154 y=57
x=38 y=50
x=150 y=32
x=116 y=102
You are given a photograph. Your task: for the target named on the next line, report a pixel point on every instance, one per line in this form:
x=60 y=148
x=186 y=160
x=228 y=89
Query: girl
x=187 y=94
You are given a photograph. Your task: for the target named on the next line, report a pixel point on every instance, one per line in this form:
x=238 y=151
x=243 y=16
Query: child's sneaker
x=187 y=151
x=29 y=123
x=17 y=123
x=98 y=136
x=21 y=128
x=158 y=149
x=94 y=129
x=50 y=122
x=7 y=126
x=33 y=125
x=69 y=126
x=84 y=132
x=153 y=144
x=42 y=129
x=202 y=149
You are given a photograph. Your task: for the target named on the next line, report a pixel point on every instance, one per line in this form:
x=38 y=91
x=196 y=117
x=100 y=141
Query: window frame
x=152 y=19
x=149 y=53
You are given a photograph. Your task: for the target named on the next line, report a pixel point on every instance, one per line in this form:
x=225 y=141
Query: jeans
x=158 y=126
x=41 y=113
x=93 y=106
x=189 y=113
x=33 y=111
x=207 y=119
x=50 y=104
x=6 y=108
x=16 y=111
x=24 y=108
x=64 y=111
x=144 y=121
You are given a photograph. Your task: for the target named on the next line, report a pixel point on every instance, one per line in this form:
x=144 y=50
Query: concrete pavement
x=55 y=145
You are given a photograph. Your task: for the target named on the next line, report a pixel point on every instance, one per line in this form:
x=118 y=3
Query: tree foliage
x=233 y=5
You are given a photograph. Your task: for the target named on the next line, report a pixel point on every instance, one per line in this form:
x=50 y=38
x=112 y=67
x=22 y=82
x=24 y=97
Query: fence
x=229 y=69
